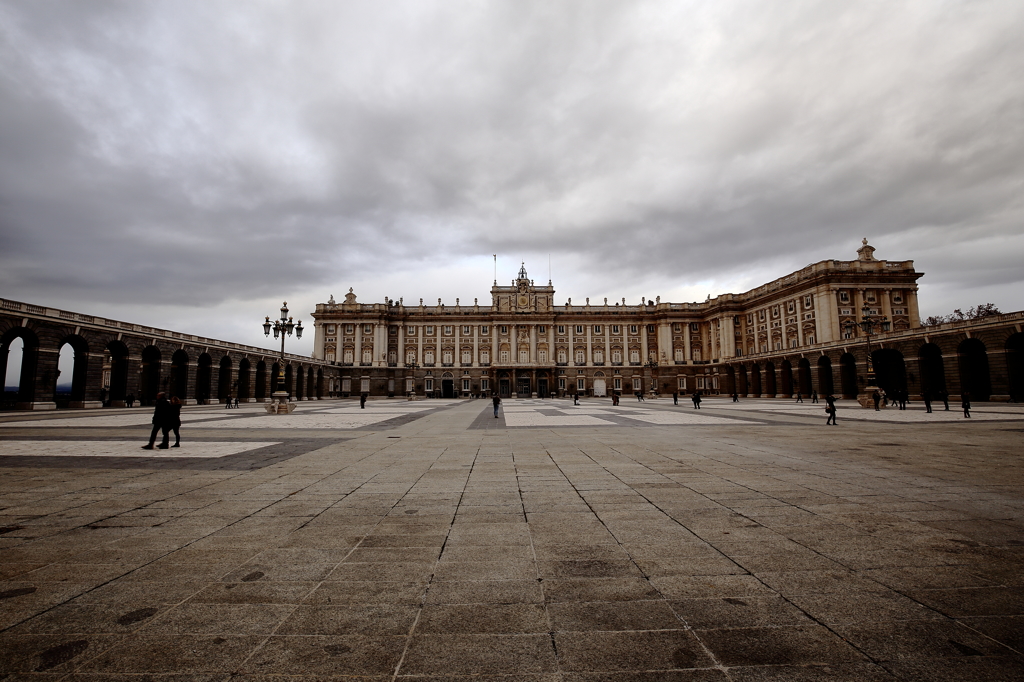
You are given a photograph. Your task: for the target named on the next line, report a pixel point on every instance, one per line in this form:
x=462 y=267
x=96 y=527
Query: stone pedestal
x=867 y=400
x=37 y=406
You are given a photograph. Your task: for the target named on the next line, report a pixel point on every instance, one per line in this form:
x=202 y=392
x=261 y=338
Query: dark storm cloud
x=210 y=153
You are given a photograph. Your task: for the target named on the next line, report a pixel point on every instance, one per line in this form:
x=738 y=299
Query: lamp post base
x=867 y=398
x=279 y=403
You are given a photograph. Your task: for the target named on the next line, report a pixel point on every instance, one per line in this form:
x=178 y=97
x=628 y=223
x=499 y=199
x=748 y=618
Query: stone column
x=608 y=347
x=358 y=327
x=687 y=352
x=476 y=345
x=643 y=343
x=912 y=309
x=380 y=344
x=401 y=345
x=590 y=343
x=533 y=345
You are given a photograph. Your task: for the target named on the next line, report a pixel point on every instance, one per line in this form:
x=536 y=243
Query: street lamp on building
x=870 y=324
x=282 y=327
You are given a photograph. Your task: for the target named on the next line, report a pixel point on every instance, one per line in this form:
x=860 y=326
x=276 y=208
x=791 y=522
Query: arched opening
x=289 y=381
x=179 y=374
x=743 y=388
x=224 y=380
x=755 y=380
x=804 y=376
x=300 y=375
x=244 y=380
x=447 y=385
x=826 y=384
x=730 y=380
x=933 y=373
x=787 y=379
x=276 y=379
x=320 y=383
x=848 y=375
x=261 y=381
x=974 y=375
x=13 y=359
x=72 y=372
x=769 y=380
x=149 y=381
x=890 y=371
x=311 y=384
x=116 y=382
x=1015 y=366
x=599 y=385
x=204 y=378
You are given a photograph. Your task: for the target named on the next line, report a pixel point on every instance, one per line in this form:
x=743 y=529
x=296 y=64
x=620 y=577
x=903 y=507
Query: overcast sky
x=191 y=165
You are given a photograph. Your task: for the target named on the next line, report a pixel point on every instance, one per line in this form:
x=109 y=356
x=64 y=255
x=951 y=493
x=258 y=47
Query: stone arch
x=930 y=366
x=826 y=383
x=974 y=372
x=320 y=383
x=204 y=378
x=730 y=380
x=787 y=379
x=890 y=370
x=276 y=378
x=755 y=380
x=848 y=375
x=743 y=387
x=261 y=381
x=244 y=380
x=179 y=374
x=149 y=379
x=770 y=388
x=224 y=379
x=75 y=396
x=28 y=342
x=117 y=357
x=310 y=384
x=289 y=380
x=803 y=373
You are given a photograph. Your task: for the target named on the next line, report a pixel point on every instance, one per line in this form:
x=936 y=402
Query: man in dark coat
x=161 y=422
x=830 y=407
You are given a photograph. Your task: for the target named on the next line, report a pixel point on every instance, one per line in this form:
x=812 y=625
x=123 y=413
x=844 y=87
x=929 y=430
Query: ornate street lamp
x=870 y=325
x=652 y=365
x=282 y=327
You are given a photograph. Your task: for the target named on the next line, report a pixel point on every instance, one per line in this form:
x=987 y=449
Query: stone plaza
x=428 y=540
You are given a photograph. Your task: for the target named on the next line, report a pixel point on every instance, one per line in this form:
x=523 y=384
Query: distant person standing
x=944 y=395
x=228 y=403
x=830 y=407
x=161 y=422
x=877 y=398
x=696 y=400
x=236 y=402
x=174 y=420
x=735 y=397
x=965 y=403
x=927 y=395
x=575 y=398
x=814 y=396
x=362 y=401
x=675 y=398
x=496 y=401
x=130 y=400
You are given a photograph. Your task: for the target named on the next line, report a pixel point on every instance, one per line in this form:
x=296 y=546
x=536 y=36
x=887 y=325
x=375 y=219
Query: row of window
x=505 y=356
x=467 y=330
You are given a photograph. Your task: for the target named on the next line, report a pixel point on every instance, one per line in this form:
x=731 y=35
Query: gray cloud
x=191 y=162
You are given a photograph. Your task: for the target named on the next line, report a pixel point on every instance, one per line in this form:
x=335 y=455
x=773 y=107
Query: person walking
x=735 y=397
x=227 y=404
x=575 y=398
x=927 y=395
x=965 y=403
x=362 y=401
x=496 y=401
x=696 y=400
x=944 y=395
x=174 y=419
x=236 y=402
x=799 y=398
x=814 y=396
x=877 y=398
x=161 y=421
x=675 y=398
x=830 y=407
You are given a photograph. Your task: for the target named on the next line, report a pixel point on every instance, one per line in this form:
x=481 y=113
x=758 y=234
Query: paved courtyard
x=415 y=540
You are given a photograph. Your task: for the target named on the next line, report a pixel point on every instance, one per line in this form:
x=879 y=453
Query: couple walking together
x=166 y=418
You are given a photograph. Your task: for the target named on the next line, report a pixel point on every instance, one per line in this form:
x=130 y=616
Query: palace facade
x=524 y=343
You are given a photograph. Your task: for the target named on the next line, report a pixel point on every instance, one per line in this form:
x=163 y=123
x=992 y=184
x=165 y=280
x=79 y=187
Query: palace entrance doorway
x=523 y=387
x=447 y=385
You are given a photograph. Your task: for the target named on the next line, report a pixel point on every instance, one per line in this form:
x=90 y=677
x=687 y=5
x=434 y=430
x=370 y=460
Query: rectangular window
x=504 y=329
x=809 y=338
x=467 y=357
x=791 y=307
x=679 y=354
x=775 y=311
x=650 y=329
x=346 y=385
x=561 y=384
x=597 y=329
x=638 y=385
x=446 y=357
x=696 y=354
x=347 y=357
x=581 y=385
x=367 y=357
x=485 y=356
x=466 y=331
x=485 y=384
x=465 y=385
x=392 y=331
x=844 y=297
x=617 y=383
x=561 y=355
x=524 y=357
x=615 y=329
x=897 y=298
x=682 y=383
x=581 y=357
x=410 y=331
x=410 y=358
x=349 y=329
x=617 y=355
x=329 y=328
x=634 y=355
x=447 y=330
x=504 y=355
x=542 y=356
x=694 y=327
x=871 y=296
x=429 y=384
x=485 y=329
x=793 y=343
x=561 y=329
x=541 y=329
x=808 y=301
x=579 y=329
x=329 y=357
x=700 y=383
x=677 y=327
x=429 y=330
x=428 y=357
x=367 y=328
x=599 y=356
x=632 y=329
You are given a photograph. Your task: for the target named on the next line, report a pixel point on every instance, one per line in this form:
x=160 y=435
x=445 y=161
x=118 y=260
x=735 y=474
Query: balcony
x=366 y=364
x=428 y=364
x=485 y=364
x=598 y=364
x=345 y=364
x=680 y=362
x=634 y=364
x=447 y=364
x=392 y=364
x=564 y=364
x=616 y=364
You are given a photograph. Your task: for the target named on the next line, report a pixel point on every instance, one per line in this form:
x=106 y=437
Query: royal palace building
x=767 y=341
